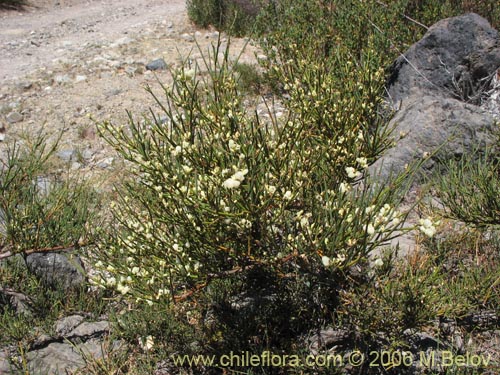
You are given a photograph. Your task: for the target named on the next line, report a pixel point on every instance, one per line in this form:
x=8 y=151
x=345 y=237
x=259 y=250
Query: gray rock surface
x=67 y=324
x=443 y=128
x=455 y=54
x=14 y=117
x=74 y=342
x=62 y=358
x=67 y=155
x=57 y=269
x=18 y=302
x=437 y=87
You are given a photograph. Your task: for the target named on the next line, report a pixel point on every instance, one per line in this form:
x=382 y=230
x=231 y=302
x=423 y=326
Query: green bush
x=237 y=212
x=39 y=209
x=12 y=4
x=477 y=202
x=234 y=16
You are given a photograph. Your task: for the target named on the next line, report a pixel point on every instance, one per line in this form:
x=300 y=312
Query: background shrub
x=234 y=16
x=40 y=209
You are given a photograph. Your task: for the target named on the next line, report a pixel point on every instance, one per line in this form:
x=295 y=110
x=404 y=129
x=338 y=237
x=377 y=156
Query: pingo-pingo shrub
x=218 y=189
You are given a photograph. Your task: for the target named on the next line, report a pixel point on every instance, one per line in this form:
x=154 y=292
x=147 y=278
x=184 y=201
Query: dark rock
x=451 y=60
x=421 y=341
x=57 y=269
x=481 y=319
x=329 y=339
x=158 y=64
x=2 y=132
x=429 y=124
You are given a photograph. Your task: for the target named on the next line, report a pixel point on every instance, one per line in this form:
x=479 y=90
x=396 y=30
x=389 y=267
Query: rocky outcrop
x=434 y=127
x=437 y=87
x=453 y=60
x=74 y=343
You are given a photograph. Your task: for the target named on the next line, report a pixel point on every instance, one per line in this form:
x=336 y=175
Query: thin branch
x=9 y=253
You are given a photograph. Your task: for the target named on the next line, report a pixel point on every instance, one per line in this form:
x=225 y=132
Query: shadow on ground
x=12 y=4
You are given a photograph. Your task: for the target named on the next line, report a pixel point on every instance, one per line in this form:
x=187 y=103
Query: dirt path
x=36 y=36
x=64 y=64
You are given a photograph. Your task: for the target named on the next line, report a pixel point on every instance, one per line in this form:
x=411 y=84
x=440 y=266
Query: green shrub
x=237 y=213
x=476 y=202
x=12 y=4
x=39 y=209
x=248 y=78
x=234 y=16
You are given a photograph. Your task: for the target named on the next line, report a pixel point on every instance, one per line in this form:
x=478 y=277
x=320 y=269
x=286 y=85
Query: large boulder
x=441 y=128
x=435 y=88
x=452 y=60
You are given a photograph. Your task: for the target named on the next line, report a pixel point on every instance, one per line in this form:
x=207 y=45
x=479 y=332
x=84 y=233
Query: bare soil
x=69 y=64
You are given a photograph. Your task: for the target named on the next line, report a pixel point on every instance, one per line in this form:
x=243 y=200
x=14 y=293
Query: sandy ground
x=65 y=62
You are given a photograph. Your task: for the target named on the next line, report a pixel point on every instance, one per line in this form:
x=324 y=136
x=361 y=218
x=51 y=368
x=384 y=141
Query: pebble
x=61 y=79
x=66 y=155
x=112 y=92
x=131 y=70
x=14 y=117
x=121 y=42
x=25 y=85
x=87 y=154
x=79 y=79
x=158 y=64
x=187 y=37
x=105 y=163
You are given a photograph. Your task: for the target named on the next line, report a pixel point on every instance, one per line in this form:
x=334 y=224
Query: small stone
x=121 y=42
x=25 y=85
x=62 y=79
x=158 y=64
x=14 y=117
x=187 y=37
x=112 y=92
x=66 y=155
x=105 y=163
x=87 y=154
x=131 y=70
x=115 y=64
x=79 y=79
